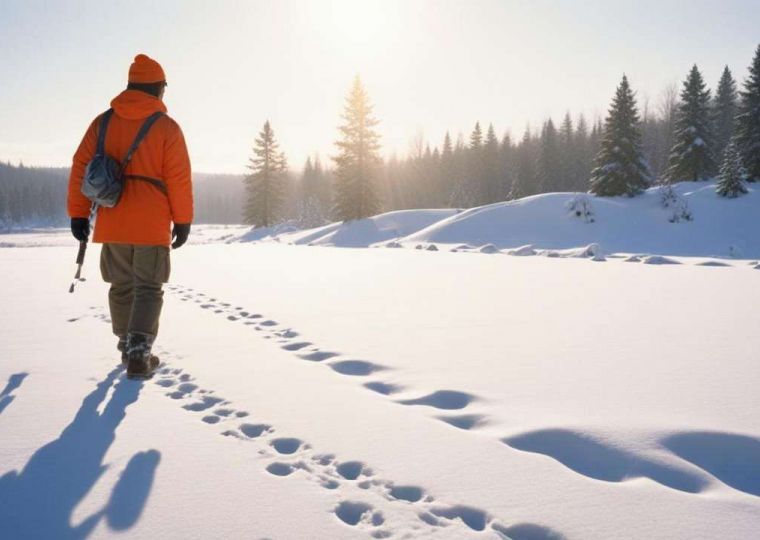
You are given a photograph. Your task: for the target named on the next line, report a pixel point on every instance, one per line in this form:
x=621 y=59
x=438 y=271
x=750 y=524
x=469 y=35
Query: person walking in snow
x=137 y=231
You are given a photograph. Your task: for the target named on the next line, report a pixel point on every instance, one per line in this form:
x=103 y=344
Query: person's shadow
x=39 y=501
x=14 y=382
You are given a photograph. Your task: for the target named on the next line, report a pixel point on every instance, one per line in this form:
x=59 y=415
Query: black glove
x=180 y=232
x=80 y=228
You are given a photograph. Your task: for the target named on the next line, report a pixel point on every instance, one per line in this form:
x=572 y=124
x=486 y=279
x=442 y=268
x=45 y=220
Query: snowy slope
x=720 y=227
x=385 y=393
x=360 y=233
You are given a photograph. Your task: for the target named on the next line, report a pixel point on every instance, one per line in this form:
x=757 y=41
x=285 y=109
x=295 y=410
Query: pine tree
x=549 y=167
x=691 y=157
x=731 y=174
x=489 y=180
x=476 y=137
x=724 y=113
x=310 y=209
x=357 y=161
x=748 y=122
x=468 y=190
x=506 y=167
x=264 y=188
x=448 y=171
x=620 y=167
x=525 y=182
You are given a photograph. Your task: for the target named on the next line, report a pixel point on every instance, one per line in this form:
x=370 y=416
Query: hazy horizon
x=429 y=67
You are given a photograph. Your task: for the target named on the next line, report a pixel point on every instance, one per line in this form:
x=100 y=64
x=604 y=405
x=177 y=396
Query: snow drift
x=359 y=233
x=718 y=227
x=690 y=220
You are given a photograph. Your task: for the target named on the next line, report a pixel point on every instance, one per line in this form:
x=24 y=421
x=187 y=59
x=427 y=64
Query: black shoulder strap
x=104 y=119
x=140 y=136
x=158 y=184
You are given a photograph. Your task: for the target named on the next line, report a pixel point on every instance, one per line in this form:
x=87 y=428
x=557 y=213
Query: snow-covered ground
x=331 y=393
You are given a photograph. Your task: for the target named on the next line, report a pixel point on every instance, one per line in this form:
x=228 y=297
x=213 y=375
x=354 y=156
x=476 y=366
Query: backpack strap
x=104 y=119
x=158 y=184
x=139 y=137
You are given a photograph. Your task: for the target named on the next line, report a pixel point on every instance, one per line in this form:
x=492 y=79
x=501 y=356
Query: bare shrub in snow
x=677 y=207
x=580 y=207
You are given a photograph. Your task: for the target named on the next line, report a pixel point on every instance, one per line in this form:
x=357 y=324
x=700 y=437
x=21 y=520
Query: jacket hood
x=135 y=105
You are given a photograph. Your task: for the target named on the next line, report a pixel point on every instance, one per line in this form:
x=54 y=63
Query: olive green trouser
x=136 y=274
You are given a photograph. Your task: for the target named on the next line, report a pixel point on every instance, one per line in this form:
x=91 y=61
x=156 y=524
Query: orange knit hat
x=145 y=70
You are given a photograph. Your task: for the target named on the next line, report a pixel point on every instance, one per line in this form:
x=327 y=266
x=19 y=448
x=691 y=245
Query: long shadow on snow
x=39 y=501
x=598 y=460
x=14 y=381
x=731 y=458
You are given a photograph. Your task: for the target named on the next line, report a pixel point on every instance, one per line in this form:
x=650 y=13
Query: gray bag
x=104 y=176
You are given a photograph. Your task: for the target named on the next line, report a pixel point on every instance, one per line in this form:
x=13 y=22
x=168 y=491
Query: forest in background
x=463 y=171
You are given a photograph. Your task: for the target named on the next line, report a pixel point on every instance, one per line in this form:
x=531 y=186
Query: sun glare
x=362 y=28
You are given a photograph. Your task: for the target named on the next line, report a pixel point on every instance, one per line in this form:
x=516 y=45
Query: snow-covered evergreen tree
x=748 y=122
x=358 y=159
x=724 y=113
x=264 y=185
x=620 y=166
x=691 y=157
x=730 y=180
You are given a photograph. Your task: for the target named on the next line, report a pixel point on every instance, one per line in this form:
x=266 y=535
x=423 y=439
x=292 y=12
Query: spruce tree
x=489 y=180
x=264 y=185
x=620 y=166
x=448 y=171
x=549 y=163
x=357 y=161
x=731 y=174
x=310 y=208
x=691 y=156
x=724 y=113
x=748 y=122
x=525 y=182
x=506 y=167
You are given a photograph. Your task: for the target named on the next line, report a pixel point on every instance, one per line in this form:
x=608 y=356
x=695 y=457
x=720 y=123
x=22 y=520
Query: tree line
x=690 y=136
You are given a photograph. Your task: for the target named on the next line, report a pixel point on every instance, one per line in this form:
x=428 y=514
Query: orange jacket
x=144 y=213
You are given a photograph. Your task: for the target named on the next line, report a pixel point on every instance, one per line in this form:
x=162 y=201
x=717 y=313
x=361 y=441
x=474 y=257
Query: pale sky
x=428 y=65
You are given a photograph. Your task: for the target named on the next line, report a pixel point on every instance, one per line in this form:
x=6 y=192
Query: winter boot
x=121 y=346
x=141 y=364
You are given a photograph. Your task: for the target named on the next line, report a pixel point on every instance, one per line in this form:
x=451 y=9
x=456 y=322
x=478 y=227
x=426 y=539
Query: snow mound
x=359 y=233
x=717 y=227
x=590 y=251
x=261 y=233
x=659 y=259
x=489 y=248
x=522 y=251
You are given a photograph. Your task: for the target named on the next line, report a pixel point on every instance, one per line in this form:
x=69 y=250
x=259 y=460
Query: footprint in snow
x=406 y=493
x=465 y=421
x=383 y=388
x=296 y=346
x=280 y=469
x=443 y=399
x=351 y=470
x=286 y=445
x=354 y=512
x=358 y=368
x=205 y=403
x=318 y=356
x=253 y=431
